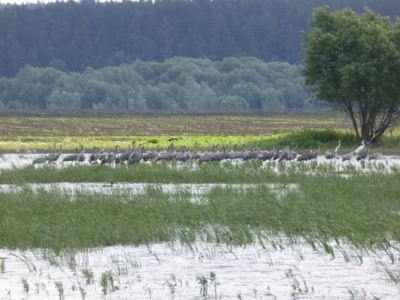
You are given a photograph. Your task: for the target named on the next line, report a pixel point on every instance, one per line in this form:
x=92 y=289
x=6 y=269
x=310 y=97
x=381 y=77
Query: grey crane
x=104 y=155
x=41 y=160
x=279 y=152
x=109 y=160
x=184 y=156
x=195 y=154
x=125 y=156
x=54 y=158
x=54 y=151
x=117 y=158
x=293 y=154
x=72 y=157
x=316 y=153
x=332 y=155
x=241 y=155
x=166 y=156
x=176 y=154
x=219 y=156
x=285 y=153
x=138 y=158
x=151 y=155
x=232 y=154
x=253 y=155
x=349 y=156
x=93 y=157
x=306 y=157
x=207 y=157
x=375 y=155
x=269 y=155
x=81 y=156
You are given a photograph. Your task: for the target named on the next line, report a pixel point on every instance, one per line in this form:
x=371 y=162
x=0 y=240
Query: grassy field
x=38 y=130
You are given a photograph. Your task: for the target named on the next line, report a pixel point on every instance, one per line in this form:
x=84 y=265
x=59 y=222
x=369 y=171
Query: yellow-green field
x=38 y=130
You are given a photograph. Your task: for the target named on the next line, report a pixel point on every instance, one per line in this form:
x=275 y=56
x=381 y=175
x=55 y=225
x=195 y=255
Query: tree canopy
x=353 y=63
x=177 y=83
x=73 y=35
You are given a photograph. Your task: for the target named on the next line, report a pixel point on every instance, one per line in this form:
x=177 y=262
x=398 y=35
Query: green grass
x=361 y=211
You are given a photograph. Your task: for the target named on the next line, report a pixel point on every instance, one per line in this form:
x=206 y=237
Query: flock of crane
x=133 y=156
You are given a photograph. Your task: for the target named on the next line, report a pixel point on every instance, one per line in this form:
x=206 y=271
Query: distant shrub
x=308 y=138
x=152 y=141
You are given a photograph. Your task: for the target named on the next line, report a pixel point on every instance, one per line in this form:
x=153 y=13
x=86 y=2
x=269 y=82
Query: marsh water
x=170 y=271
x=248 y=272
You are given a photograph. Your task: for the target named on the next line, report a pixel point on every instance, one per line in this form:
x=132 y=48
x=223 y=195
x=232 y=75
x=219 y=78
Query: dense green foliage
x=361 y=210
x=94 y=34
x=177 y=83
x=353 y=63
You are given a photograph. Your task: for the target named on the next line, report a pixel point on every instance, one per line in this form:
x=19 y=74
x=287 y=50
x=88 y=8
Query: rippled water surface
x=250 y=272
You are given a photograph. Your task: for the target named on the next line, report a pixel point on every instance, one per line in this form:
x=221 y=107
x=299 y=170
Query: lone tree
x=353 y=63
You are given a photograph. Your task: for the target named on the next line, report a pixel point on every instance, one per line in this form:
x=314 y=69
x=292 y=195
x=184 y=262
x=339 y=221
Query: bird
x=279 y=152
x=109 y=185
x=338 y=147
x=363 y=154
x=307 y=156
x=54 y=150
x=72 y=157
x=93 y=157
x=151 y=155
x=253 y=155
x=232 y=154
x=138 y=158
x=81 y=156
x=195 y=154
x=269 y=155
x=285 y=153
x=125 y=156
x=219 y=156
x=104 y=155
x=55 y=157
x=316 y=153
x=375 y=155
x=359 y=149
x=41 y=160
x=207 y=157
x=166 y=156
x=332 y=155
x=109 y=160
x=349 y=156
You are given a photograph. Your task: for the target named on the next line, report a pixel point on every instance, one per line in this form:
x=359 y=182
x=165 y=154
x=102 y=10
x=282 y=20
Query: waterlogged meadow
x=208 y=231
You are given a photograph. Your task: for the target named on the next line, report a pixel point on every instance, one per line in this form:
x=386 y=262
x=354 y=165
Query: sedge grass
x=361 y=211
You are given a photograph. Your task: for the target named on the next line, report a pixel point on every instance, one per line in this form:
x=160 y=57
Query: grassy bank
x=362 y=210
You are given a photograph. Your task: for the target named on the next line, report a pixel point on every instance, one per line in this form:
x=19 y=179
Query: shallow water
x=238 y=270
x=197 y=190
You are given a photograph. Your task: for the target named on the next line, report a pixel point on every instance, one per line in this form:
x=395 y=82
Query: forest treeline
x=177 y=83
x=71 y=36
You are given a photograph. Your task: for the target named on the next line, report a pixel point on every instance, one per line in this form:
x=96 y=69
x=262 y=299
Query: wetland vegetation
x=361 y=210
